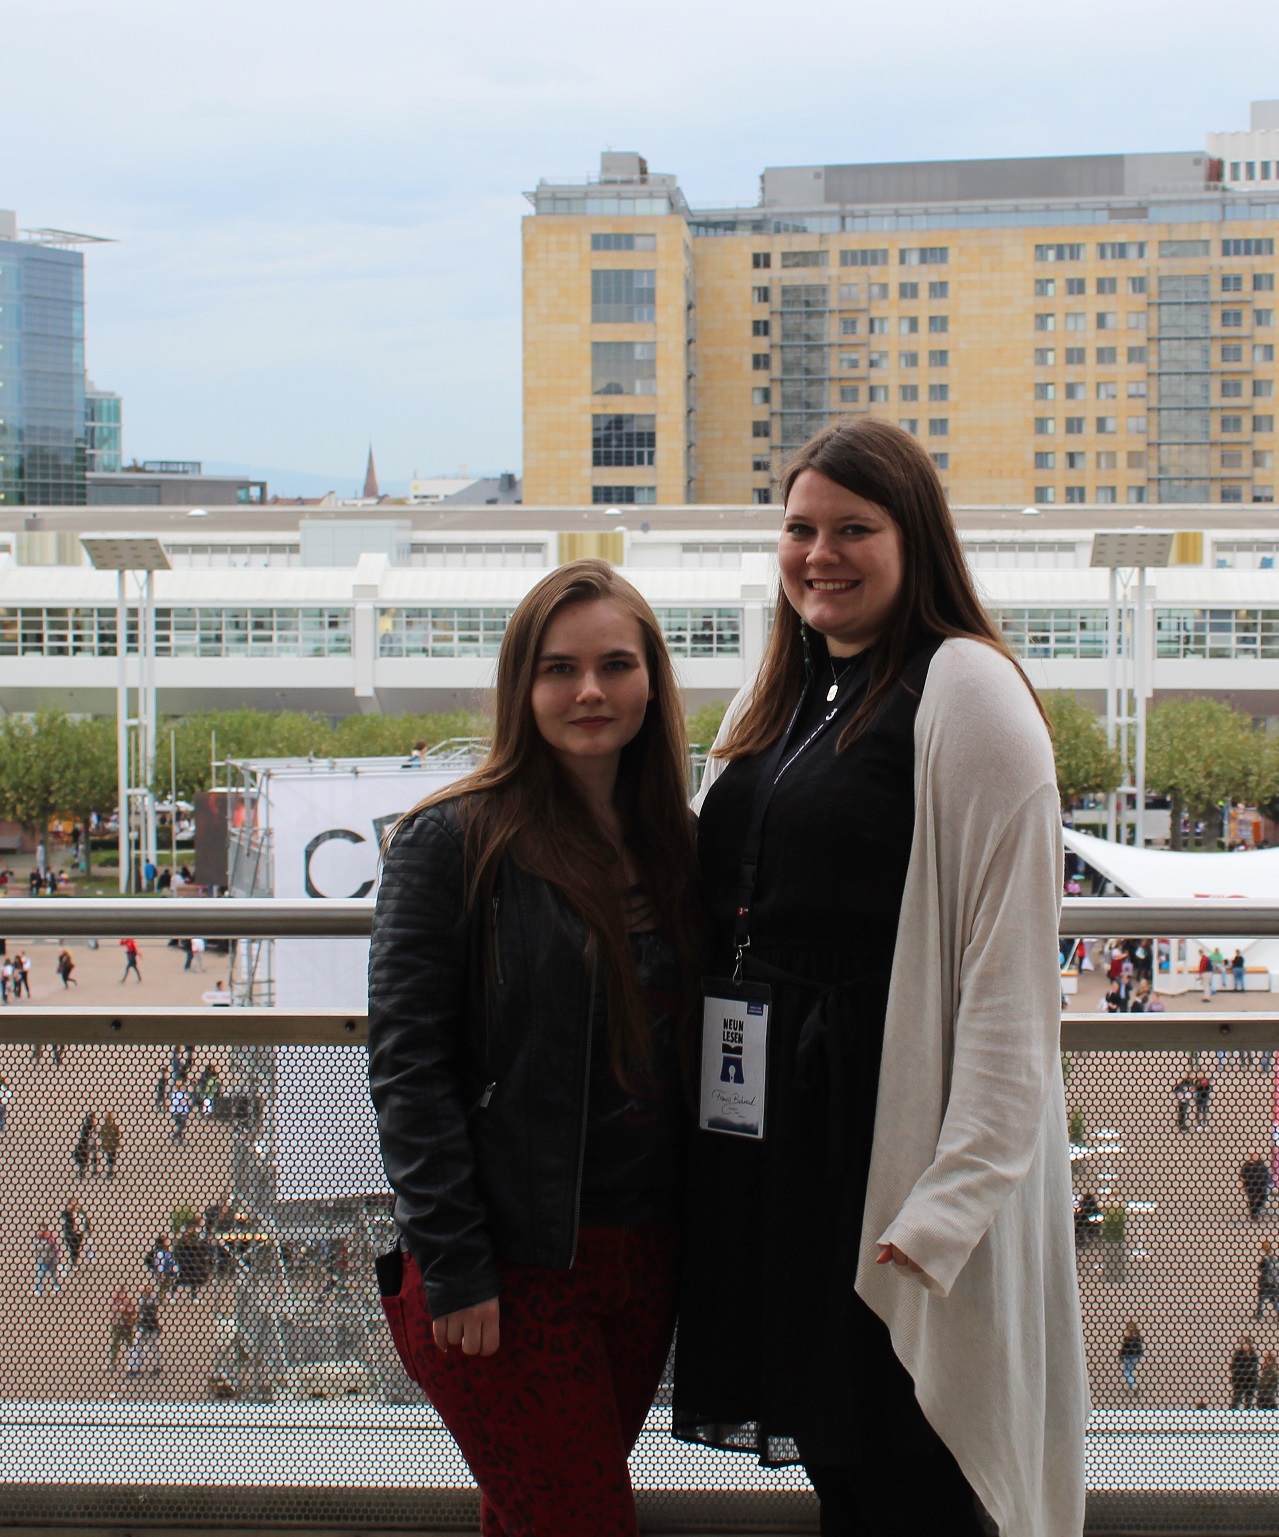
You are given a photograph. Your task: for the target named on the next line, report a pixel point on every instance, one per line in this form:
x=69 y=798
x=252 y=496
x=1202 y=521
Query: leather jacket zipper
x=586 y=1099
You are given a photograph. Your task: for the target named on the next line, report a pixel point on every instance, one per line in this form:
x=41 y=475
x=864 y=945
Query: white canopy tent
x=1139 y=872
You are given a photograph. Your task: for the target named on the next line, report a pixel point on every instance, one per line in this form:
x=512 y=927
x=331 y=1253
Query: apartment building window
x=939 y=426
x=624 y=368
x=1045 y=357
x=701 y=631
x=1076 y=357
x=1107 y=494
x=1137 y=425
x=1263 y=352
x=908 y=360
x=849 y=325
x=1076 y=389
x=877 y=394
x=939 y=357
x=939 y=324
x=850 y=293
x=1045 y=391
x=877 y=360
x=1137 y=355
x=761 y=495
x=1263 y=458
x=1231 y=388
x=1045 y=461
x=923 y=256
x=1045 y=426
x=1263 y=282
x=1107 y=424
x=622 y=442
x=849 y=360
x=1107 y=285
x=761 y=361
x=937 y=392
x=908 y=392
x=623 y=496
x=761 y=395
x=873 y=258
x=1059 y=253
x=1136 y=458
x=1232 y=282
x=876 y=291
x=1107 y=459
x=1136 y=320
x=1263 y=423
x=939 y=290
x=1076 y=459
x=1121 y=250
x=1232 y=424
x=1076 y=287
x=761 y=259
x=761 y=466
x=627 y=295
x=1076 y=494
x=877 y=325
x=1136 y=495
x=1045 y=288
x=623 y=242
x=1107 y=389
x=1231 y=318
x=1138 y=285
x=1232 y=458
x=1249 y=247
x=1076 y=320
x=1136 y=389
x=1107 y=357
x=908 y=290
x=1184 y=248
x=1232 y=353
x=850 y=394
x=942 y=460
x=1262 y=388
x=1231 y=494
x=1074 y=426
x=1263 y=317
x=759 y=327
x=908 y=325
x=909 y=424
x=1046 y=322
x=760 y=429
x=762 y=294
x=804 y=258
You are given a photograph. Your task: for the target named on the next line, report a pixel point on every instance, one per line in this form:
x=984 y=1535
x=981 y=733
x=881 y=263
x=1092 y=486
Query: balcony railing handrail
x=328 y=917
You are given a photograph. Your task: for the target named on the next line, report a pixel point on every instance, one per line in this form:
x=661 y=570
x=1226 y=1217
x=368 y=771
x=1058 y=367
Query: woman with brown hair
x=534 y=953
x=879 y=1275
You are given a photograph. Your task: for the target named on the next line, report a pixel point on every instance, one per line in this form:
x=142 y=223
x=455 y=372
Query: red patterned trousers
x=546 y=1424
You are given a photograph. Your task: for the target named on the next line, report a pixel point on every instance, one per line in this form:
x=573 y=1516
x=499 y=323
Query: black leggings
x=926 y=1494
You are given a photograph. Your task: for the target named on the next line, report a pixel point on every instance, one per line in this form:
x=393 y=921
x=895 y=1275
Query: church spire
x=370 y=479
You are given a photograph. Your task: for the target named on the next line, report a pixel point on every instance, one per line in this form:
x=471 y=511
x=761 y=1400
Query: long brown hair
x=888 y=467
x=520 y=800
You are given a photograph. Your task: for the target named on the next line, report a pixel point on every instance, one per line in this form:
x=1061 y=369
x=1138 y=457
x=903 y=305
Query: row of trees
x=1199 y=753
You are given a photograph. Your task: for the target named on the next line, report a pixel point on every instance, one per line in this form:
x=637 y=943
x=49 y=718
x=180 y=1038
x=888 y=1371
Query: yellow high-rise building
x=1092 y=329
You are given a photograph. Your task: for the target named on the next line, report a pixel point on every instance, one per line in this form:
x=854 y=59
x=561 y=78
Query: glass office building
x=42 y=407
x=102 y=429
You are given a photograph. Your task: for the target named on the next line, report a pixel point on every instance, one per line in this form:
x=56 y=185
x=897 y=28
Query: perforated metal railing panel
x=269 y=1390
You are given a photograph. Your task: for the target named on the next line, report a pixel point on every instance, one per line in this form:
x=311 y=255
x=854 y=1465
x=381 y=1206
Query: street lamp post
x=139 y=555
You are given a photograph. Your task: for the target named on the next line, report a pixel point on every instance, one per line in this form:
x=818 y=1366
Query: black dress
x=775 y=1353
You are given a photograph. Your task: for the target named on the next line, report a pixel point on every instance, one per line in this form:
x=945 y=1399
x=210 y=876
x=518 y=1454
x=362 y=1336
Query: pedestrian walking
x=1203 y=1100
x=1131 y=1349
x=109 y=1141
x=161 y=1091
x=122 y=1321
x=75 y=1230
x=48 y=1260
x=197 y=953
x=1267 y=1281
x=65 y=967
x=179 y=1110
x=1254 y=1178
x=1268 y=1382
x=21 y=975
x=185 y=946
x=210 y=1086
x=1245 y=1367
x=5 y=1093
x=6 y=979
x=84 y=1154
x=130 y=947
x=1207 y=978
x=146 y=1342
x=166 y=1267
x=1239 y=971
x=1184 y=1095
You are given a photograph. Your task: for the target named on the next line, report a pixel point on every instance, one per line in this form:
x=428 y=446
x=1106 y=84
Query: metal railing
x=282 y=1401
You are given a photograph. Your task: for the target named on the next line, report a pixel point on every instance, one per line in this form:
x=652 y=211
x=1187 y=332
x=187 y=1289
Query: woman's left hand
x=889 y=1253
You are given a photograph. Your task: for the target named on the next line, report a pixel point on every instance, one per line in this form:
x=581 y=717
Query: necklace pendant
x=831 y=692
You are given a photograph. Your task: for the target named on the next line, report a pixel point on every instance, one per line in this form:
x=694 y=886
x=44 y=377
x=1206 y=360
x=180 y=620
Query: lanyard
x=776 y=764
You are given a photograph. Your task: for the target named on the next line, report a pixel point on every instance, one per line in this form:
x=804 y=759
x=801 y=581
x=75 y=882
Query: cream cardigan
x=970 y=1172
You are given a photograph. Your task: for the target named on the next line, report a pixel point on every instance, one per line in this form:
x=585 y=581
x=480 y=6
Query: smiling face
x=591 y=685
x=841 y=562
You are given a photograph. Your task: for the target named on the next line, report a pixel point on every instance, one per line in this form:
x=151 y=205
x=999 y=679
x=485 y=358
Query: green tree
x=91 y=782
x=1086 y=764
x=38 y=766
x=1199 y=753
x=391 y=736
x=703 y=724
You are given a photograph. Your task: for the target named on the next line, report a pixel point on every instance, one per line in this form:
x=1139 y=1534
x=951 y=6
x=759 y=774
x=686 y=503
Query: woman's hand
x=889 y=1253
x=475 y=1329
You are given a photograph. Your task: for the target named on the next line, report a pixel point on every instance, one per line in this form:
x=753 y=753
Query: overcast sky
x=318 y=205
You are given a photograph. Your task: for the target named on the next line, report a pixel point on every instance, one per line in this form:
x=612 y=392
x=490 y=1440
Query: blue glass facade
x=42 y=410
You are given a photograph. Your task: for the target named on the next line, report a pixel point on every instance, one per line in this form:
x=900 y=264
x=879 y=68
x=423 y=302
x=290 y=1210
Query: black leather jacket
x=479 y=1060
